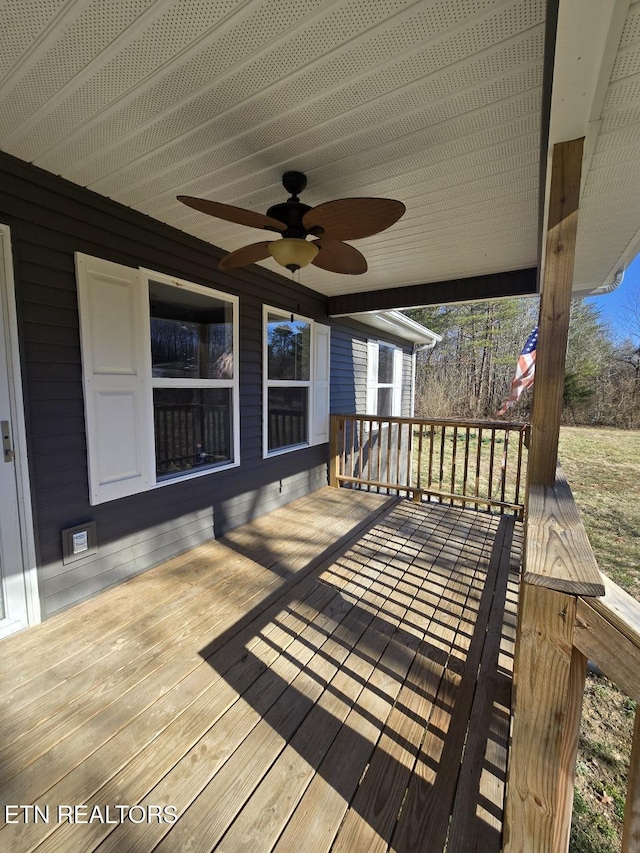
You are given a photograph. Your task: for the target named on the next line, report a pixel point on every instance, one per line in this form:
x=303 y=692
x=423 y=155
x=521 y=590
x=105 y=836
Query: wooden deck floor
x=304 y=684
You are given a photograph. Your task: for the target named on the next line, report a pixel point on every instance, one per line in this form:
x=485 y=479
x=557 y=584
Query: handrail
x=460 y=462
x=568 y=614
x=558 y=553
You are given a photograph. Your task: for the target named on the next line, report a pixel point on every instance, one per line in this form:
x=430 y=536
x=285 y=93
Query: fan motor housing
x=291 y=213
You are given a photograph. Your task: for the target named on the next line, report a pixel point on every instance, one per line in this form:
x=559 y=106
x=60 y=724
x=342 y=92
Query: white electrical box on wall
x=79 y=542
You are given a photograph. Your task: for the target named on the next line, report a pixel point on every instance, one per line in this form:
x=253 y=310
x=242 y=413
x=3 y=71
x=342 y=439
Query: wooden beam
x=550 y=31
x=553 y=329
x=544 y=723
x=569 y=749
x=608 y=633
x=514 y=283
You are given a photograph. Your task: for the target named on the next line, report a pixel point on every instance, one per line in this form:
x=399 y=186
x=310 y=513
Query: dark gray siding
x=349 y=368
x=407 y=375
x=50 y=219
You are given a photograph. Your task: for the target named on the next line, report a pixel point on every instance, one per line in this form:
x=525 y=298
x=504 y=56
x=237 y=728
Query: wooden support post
x=553 y=327
x=547 y=684
x=631 y=832
x=548 y=672
x=337 y=425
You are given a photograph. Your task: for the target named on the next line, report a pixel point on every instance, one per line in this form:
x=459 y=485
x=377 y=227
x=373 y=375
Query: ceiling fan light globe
x=292 y=252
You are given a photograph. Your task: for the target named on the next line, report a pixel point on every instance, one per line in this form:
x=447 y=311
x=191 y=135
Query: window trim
x=372 y=380
x=285 y=383
x=159 y=382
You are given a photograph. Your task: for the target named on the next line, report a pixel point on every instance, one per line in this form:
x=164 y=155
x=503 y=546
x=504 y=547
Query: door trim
x=23 y=484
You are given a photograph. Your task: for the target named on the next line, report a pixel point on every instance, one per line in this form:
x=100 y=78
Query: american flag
x=525 y=370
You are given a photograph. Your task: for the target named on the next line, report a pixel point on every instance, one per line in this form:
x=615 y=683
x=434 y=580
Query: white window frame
x=233 y=384
x=115 y=339
x=317 y=384
x=373 y=386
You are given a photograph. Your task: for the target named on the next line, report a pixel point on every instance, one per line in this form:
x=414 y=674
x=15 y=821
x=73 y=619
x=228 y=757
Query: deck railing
x=567 y=614
x=463 y=463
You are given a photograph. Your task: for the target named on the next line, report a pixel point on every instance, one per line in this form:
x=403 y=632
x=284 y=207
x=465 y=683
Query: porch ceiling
x=436 y=103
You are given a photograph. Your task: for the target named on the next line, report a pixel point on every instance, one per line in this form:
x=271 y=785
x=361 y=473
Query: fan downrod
x=294 y=183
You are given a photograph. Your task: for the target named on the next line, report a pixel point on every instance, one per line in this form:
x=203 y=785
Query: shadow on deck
x=333 y=676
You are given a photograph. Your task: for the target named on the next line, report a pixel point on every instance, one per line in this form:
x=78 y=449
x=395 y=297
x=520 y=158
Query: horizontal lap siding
x=51 y=219
x=349 y=368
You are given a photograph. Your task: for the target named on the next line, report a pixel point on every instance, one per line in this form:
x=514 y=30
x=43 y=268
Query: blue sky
x=611 y=305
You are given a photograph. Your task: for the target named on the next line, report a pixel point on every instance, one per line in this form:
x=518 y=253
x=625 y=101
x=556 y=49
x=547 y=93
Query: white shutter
x=397 y=383
x=116 y=372
x=319 y=433
x=372 y=378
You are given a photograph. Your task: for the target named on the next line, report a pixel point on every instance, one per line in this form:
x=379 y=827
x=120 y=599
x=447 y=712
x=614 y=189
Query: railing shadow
x=367 y=669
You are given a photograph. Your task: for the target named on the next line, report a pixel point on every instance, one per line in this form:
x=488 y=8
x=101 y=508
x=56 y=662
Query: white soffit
x=596 y=94
x=399 y=325
x=433 y=102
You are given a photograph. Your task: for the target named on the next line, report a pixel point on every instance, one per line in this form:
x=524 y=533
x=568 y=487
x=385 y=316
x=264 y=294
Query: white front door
x=16 y=610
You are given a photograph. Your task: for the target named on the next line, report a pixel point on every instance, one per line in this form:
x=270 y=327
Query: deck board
x=308 y=686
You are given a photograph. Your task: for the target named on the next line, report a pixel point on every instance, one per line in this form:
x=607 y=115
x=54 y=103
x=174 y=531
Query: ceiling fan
x=329 y=224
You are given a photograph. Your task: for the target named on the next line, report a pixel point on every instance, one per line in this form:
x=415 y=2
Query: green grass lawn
x=603 y=469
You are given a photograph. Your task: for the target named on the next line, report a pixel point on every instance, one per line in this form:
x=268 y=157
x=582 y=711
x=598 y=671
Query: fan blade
x=250 y=254
x=233 y=214
x=352 y=218
x=335 y=256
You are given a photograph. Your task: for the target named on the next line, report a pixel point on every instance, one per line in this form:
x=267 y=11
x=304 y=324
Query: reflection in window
x=192 y=357
x=287 y=380
x=288 y=348
x=191 y=334
x=193 y=428
x=385 y=402
x=288 y=417
x=385 y=365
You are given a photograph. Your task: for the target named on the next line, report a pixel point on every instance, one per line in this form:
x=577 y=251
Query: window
x=296 y=381
x=192 y=369
x=160 y=378
x=384 y=379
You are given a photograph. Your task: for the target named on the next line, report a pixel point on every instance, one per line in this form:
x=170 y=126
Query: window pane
x=191 y=334
x=193 y=429
x=385 y=365
x=288 y=345
x=288 y=417
x=385 y=397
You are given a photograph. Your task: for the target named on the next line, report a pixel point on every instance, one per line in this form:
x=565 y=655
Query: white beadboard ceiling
x=433 y=102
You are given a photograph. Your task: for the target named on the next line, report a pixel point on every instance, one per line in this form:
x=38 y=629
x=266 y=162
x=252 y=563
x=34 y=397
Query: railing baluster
x=466 y=465
x=379 y=460
x=343 y=457
x=369 y=451
x=478 y=463
x=441 y=469
x=419 y=470
x=432 y=433
x=352 y=464
x=516 y=497
x=360 y=434
x=503 y=475
x=491 y=461
x=387 y=467
x=398 y=452
x=454 y=451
